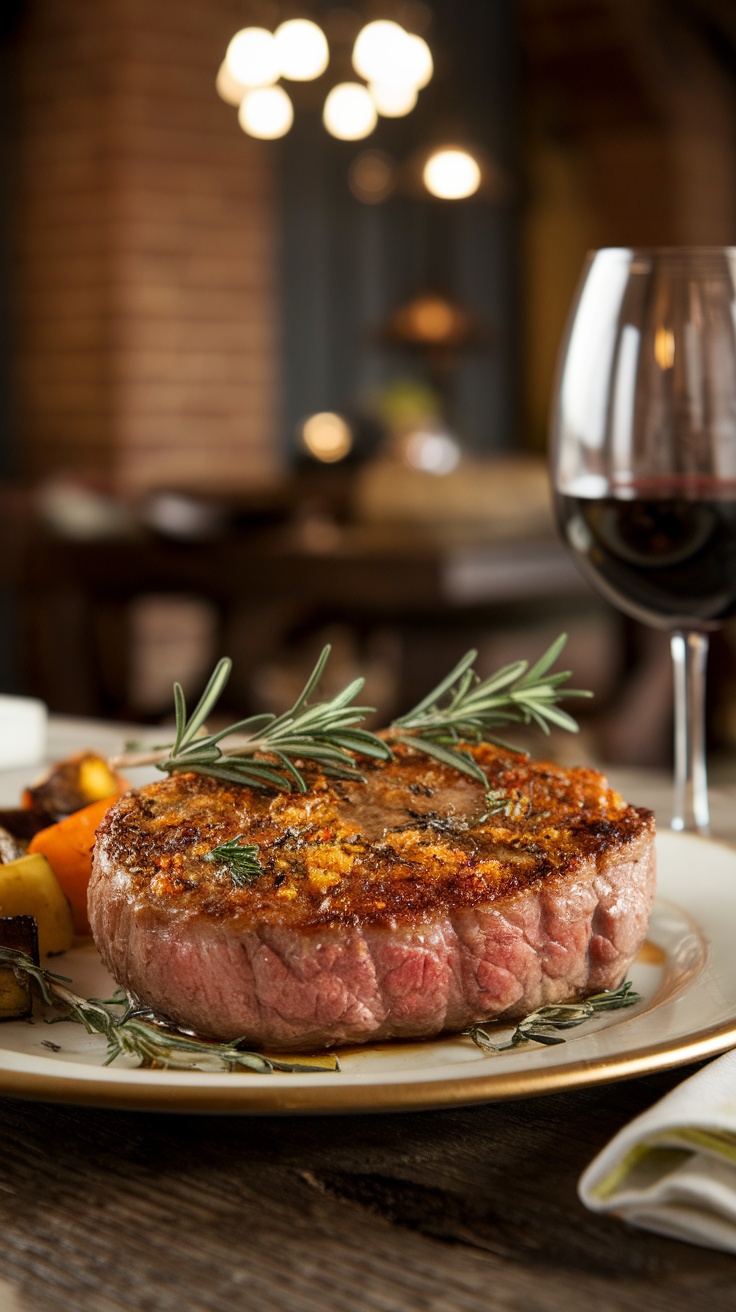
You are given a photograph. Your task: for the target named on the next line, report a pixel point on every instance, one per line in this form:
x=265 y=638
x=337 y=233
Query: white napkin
x=23 y=729
x=673 y=1169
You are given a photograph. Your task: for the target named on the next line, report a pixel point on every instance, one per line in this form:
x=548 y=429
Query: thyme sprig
x=465 y=708
x=542 y=1025
x=132 y=1033
x=269 y=751
x=241 y=859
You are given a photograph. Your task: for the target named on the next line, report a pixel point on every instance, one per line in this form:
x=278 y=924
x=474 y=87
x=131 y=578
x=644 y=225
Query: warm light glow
x=266 y=113
x=432 y=319
x=393 y=101
x=379 y=54
x=252 y=58
x=228 y=88
x=327 y=437
x=349 y=112
x=302 y=49
x=372 y=177
x=432 y=449
x=419 y=62
x=664 y=347
x=451 y=174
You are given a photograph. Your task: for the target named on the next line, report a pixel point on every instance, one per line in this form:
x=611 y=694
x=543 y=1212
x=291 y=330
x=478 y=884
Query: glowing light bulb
x=302 y=49
x=251 y=57
x=267 y=113
x=451 y=174
x=419 y=62
x=349 y=113
x=664 y=347
x=228 y=88
x=391 y=100
x=379 y=52
x=327 y=437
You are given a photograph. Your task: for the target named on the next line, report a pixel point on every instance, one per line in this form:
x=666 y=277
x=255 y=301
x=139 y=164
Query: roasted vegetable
x=73 y=784
x=24 y=823
x=16 y=999
x=10 y=848
x=29 y=887
x=68 y=849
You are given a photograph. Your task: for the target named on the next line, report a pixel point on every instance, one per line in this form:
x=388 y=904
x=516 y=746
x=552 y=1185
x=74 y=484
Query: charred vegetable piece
x=24 y=823
x=16 y=999
x=10 y=848
x=29 y=887
x=73 y=784
x=68 y=848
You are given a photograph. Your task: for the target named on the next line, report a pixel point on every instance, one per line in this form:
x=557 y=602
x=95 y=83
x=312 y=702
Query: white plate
x=686 y=976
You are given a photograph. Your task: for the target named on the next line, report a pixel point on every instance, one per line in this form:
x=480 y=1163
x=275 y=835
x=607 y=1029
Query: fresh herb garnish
x=132 y=1033
x=541 y=1026
x=465 y=708
x=268 y=751
x=241 y=860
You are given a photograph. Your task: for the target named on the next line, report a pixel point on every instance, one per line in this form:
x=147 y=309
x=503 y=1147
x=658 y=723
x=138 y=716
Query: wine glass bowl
x=644 y=460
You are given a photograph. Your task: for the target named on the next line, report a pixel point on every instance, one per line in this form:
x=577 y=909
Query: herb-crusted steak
x=401 y=906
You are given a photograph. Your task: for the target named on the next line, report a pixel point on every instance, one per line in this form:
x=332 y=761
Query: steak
x=404 y=905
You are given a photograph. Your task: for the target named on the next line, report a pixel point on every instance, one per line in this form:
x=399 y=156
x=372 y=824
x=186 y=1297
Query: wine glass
x=644 y=461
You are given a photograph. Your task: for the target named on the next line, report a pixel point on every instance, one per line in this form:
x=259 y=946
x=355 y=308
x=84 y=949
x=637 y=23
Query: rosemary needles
x=241 y=859
x=270 y=751
x=133 y=1034
x=543 y=1026
x=465 y=708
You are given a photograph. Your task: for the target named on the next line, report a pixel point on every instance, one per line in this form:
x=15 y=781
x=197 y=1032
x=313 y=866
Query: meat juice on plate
x=668 y=561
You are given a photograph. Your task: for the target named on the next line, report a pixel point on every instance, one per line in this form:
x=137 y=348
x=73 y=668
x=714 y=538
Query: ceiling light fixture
x=395 y=63
x=302 y=49
x=379 y=52
x=252 y=58
x=392 y=101
x=266 y=113
x=452 y=174
x=228 y=87
x=349 y=113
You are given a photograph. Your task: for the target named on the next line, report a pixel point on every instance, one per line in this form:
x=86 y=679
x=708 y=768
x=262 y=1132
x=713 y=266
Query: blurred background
x=278 y=326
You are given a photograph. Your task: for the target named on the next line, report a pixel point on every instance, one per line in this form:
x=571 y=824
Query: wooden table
x=448 y=1211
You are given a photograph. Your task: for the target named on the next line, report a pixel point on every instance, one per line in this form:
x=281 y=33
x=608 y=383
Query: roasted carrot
x=67 y=847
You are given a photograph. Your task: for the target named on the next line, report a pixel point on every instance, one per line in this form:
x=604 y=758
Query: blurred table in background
x=76 y=596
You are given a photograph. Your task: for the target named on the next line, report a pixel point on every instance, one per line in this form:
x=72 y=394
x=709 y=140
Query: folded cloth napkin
x=673 y=1169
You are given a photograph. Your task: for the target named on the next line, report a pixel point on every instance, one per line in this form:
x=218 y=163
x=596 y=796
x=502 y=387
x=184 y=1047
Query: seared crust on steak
x=396 y=906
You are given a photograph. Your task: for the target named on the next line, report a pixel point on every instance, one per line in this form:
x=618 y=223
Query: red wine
x=670 y=563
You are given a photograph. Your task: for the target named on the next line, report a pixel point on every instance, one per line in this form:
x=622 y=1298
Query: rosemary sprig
x=131 y=1034
x=512 y=807
x=241 y=860
x=268 y=751
x=541 y=1026
x=465 y=708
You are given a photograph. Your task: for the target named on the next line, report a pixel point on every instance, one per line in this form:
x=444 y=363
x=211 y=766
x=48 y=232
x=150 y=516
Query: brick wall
x=147 y=250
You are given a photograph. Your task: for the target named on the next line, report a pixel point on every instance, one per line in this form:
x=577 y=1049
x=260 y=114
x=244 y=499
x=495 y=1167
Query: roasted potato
x=29 y=887
x=10 y=848
x=16 y=998
x=73 y=784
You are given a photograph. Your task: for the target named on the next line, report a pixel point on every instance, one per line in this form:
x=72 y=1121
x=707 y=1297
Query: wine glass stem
x=689 y=658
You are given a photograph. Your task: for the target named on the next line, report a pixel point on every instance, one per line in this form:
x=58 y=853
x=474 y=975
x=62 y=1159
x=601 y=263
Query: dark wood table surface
x=460 y=1210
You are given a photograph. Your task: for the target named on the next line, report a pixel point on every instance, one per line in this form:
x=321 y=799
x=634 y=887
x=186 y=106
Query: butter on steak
x=391 y=908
